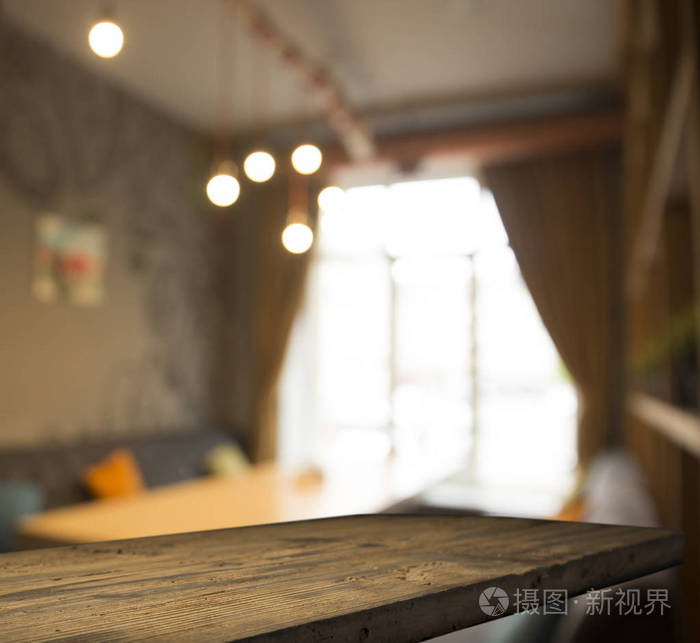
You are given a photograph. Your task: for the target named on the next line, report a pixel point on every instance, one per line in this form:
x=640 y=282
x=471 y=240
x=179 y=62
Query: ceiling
x=388 y=56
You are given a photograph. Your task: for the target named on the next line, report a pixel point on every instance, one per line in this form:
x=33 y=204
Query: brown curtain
x=561 y=214
x=277 y=295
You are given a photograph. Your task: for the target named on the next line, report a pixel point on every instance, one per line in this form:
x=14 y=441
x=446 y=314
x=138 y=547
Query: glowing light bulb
x=331 y=199
x=259 y=166
x=306 y=159
x=223 y=189
x=297 y=238
x=106 y=39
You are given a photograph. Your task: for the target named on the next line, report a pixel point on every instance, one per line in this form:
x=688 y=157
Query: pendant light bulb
x=306 y=158
x=106 y=39
x=297 y=238
x=223 y=188
x=259 y=166
x=331 y=198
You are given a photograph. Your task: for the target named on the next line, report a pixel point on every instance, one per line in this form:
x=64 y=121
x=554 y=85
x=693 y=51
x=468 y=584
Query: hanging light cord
x=226 y=77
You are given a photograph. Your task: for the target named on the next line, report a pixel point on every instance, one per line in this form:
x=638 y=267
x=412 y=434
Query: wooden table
x=375 y=578
x=265 y=494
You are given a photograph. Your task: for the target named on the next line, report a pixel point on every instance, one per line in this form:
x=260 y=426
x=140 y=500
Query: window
x=419 y=336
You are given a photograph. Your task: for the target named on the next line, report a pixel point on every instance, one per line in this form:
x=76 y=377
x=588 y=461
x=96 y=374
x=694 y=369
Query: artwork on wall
x=69 y=261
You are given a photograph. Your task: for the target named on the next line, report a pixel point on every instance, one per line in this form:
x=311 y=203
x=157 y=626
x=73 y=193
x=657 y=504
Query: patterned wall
x=73 y=144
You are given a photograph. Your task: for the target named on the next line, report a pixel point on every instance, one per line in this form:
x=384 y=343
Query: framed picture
x=69 y=261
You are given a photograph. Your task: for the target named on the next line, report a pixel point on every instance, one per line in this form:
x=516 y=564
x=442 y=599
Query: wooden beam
x=663 y=164
x=493 y=143
x=352 y=131
x=693 y=163
x=678 y=425
x=375 y=578
x=690 y=23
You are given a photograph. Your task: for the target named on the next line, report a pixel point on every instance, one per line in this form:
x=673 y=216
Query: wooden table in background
x=264 y=494
x=373 y=578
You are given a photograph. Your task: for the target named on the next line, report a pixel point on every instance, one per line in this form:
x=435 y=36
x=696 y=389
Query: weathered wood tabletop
x=376 y=578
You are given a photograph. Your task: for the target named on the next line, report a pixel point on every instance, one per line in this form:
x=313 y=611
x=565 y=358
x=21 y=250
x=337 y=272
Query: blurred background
x=275 y=260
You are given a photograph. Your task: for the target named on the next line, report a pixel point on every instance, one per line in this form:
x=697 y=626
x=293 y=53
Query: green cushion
x=226 y=459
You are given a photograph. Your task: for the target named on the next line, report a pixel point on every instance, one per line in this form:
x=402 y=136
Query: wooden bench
x=376 y=578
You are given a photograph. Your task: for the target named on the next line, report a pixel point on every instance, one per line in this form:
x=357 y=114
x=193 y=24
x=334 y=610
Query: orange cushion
x=572 y=511
x=117 y=475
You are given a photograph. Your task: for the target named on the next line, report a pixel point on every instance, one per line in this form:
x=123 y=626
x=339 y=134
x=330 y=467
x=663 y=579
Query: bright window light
x=416 y=304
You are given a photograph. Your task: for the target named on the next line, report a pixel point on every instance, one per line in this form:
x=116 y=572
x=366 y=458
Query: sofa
x=45 y=477
x=163 y=458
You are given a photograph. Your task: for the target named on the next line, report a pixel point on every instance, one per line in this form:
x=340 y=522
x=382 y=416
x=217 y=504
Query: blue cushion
x=17 y=499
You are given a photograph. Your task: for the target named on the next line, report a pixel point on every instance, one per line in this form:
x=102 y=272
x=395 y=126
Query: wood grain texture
x=357 y=578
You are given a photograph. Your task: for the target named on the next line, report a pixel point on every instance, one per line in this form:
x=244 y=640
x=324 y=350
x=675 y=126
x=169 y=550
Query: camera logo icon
x=493 y=601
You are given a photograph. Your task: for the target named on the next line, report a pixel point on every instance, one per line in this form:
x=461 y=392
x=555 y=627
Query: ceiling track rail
x=353 y=133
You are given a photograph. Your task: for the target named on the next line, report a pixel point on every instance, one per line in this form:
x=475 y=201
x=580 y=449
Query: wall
x=142 y=361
